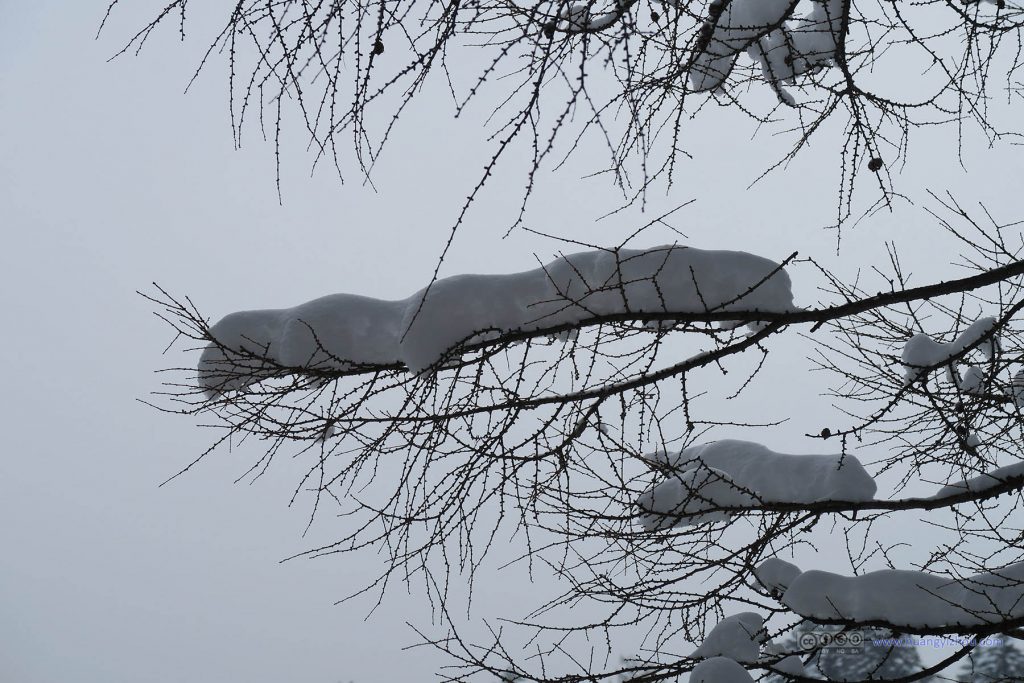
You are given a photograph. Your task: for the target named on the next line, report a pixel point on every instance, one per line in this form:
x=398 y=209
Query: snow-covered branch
x=709 y=480
x=912 y=601
x=346 y=332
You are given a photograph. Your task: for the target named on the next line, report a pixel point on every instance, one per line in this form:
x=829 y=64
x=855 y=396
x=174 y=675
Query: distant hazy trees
x=994 y=663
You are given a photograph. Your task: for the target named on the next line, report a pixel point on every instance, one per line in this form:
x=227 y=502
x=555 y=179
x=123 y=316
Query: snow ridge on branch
x=342 y=332
x=784 y=49
x=912 y=601
x=707 y=483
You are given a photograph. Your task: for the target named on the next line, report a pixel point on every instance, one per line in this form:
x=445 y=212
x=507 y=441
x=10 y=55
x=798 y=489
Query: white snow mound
x=739 y=26
x=982 y=482
x=348 y=332
x=921 y=353
x=776 y=575
x=719 y=670
x=792 y=665
x=737 y=637
x=802 y=45
x=973 y=381
x=742 y=474
x=910 y=599
x=784 y=44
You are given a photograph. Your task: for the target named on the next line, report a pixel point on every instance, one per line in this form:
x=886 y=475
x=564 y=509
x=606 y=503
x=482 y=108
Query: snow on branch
x=346 y=332
x=804 y=45
x=922 y=353
x=710 y=482
x=998 y=479
x=351 y=334
x=719 y=670
x=784 y=49
x=738 y=637
x=732 y=27
x=775 y=575
x=912 y=601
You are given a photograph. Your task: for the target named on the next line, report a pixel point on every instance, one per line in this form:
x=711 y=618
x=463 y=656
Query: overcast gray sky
x=111 y=178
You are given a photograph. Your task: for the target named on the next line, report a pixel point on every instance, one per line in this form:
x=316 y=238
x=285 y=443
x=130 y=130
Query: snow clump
x=719 y=670
x=982 y=482
x=910 y=599
x=742 y=474
x=353 y=333
x=737 y=637
x=776 y=575
x=922 y=354
x=784 y=49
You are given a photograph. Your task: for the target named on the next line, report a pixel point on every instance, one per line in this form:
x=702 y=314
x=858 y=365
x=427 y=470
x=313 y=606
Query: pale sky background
x=111 y=178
